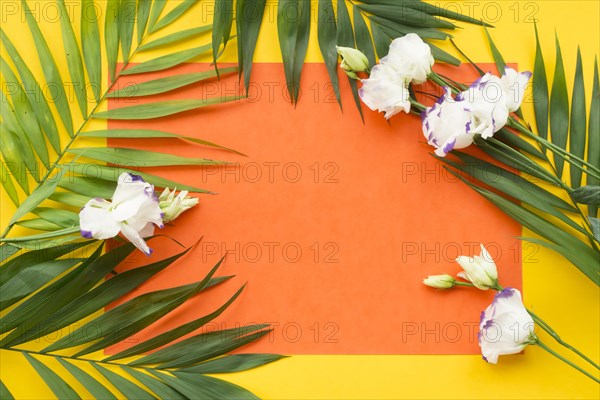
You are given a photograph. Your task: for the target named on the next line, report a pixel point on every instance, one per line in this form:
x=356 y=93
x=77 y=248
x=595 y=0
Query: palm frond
x=28 y=122
x=562 y=224
x=53 y=278
x=387 y=19
x=79 y=291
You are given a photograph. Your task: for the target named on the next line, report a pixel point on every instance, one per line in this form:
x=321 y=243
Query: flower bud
x=172 y=206
x=352 y=61
x=440 y=281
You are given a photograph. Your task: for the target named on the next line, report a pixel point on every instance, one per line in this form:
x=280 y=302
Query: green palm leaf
x=56 y=287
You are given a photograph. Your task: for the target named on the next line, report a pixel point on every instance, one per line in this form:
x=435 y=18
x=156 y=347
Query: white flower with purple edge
x=480 y=270
x=482 y=109
x=133 y=211
x=410 y=57
x=448 y=124
x=385 y=91
x=505 y=327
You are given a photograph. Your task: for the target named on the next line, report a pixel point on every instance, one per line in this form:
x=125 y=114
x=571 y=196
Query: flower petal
x=134 y=237
x=95 y=220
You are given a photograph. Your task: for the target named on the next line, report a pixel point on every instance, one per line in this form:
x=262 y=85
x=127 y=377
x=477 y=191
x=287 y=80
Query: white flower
x=133 y=211
x=513 y=84
x=172 y=206
x=505 y=327
x=448 y=124
x=352 y=61
x=410 y=57
x=385 y=91
x=480 y=270
x=440 y=281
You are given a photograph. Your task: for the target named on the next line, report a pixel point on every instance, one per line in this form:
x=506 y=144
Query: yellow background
x=554 y=289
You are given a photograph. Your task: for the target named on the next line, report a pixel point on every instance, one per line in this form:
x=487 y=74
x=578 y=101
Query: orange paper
x=332 y=223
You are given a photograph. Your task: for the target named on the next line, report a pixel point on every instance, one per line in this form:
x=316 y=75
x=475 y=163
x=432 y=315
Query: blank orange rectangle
x=332 y=223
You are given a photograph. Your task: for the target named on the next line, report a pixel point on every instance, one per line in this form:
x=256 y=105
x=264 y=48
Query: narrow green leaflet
x=578 y=121
x=105 y=173
x=559 y=109
x=4 y=393
x=381 y=39
x=74 y=61
x=293 y=26
x=129 y=389
x=540 y=90
x=394 y=29
x=90 y=46
x=127 y=17
x=34 y=93
x=222 y=22
x=7 y=181
x=413 y=17
x=140 y=158
x=70 y=199
x=327 y=41
x=143 y=13
x=59 y=387
x=175 y=37
x=149 y=134
x=35 y=198
x=205 y=387
x=363 y=37
x=162 y=390
x=157 y=8
x=167 y=84
x=161 y=108
x=24 y=113
x=232 y=363
x=593 y=154
x=111 y=37
x=63 y=218
x=587 y=195
x=249 y=15
x=168 y=61
x=173 y=15
x=500 y=64
x=92 y=187
x=38 y=224
x=345 y=38
x=50 y=70
x=96 y=389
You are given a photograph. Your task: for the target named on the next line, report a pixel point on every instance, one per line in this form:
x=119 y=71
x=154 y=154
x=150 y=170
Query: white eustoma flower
x=479 y=270
x=133 y=211
x=172 y=206
x=505 y=327
x=513 y=84
x=385 y=91
x=410 y=57
x=352 y=61
x=440 y=281
x=448 y=124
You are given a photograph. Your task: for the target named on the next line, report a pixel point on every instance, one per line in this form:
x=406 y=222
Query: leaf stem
x=556 y=337
x=555 y=354
x=565 y=155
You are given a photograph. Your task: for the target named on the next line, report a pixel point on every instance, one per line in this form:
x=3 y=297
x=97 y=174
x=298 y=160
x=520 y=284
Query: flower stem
x=555 y=354
x=556 y=337
x=565 y=155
